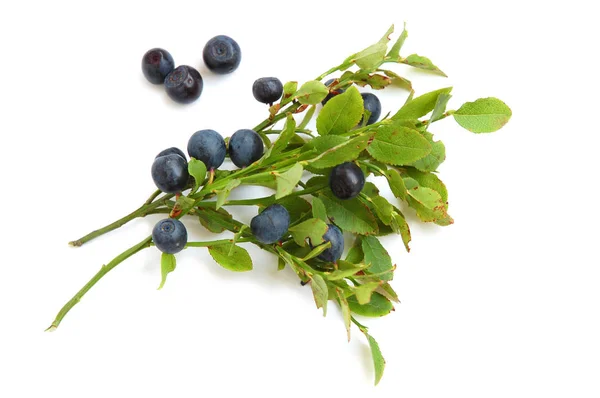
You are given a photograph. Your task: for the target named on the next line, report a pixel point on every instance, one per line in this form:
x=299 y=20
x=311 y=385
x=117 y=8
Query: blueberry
x=333 y=93
x=207 y=146
x=245 y=147
x=346 y=180
x=184 y=84
x=222 y=54
x=170 y=173
x=270 y=225
x=169 y=235
x=170 y=151
x=372 y=104
x=335 y=236
x=267 y=89
x=157 y=64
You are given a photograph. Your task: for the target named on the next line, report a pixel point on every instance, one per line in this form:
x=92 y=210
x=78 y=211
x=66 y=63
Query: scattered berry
x=331 y=93
x=184 y=84
x=207 y=146
x=245 y=147
x=373 y=105
x=170 y=173
x=169 y=235
x=270 y=225
x=335 y=236
x=346 y=180
x=172 y=150
x=267 y=90
x=157 y=64
x=222 y=54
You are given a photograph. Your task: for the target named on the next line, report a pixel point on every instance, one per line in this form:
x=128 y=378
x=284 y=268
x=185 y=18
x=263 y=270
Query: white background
x=503 y=303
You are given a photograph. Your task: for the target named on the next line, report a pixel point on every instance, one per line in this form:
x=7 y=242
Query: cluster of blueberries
x=170 y=174
x=184 y=84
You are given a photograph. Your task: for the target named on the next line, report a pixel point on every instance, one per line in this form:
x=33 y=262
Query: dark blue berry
x=222 y=54
x=184 y=84
x=169 y=235
x=170 y=173
x=331 y=93
x=373 y=105
x=170 y=151
x=270 y=225
x=157 y=64
x=346 y=180
x=267 y=89
x=207 y=146
x=245 y=147
x=335 y=236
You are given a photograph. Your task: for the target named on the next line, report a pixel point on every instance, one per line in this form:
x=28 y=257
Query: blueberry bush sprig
x=320 y=184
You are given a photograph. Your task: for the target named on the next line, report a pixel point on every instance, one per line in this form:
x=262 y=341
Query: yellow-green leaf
x=398 y=145
x=287 y=181
x=341 y=113
x=485 y=115
x=167 y=265
x=231 y=257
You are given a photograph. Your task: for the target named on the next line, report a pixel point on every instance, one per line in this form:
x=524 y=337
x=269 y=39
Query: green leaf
x=280 y=264
x=395 y=51
x=289 y=89
x=377 y=82
x=383 y=209
x=372 y=56
x=396 y=183
x=311 y=93
x=420 y=106
x=435 y=158
x=318 y=209
x=378 y=360
x=355 y=254
x=320 y=292
x=167 y=265
x=485 y=115
x=307 y=117
x=197 y=169
x=370 y=189
x=264 y=180
x=378 y=257
x=425 y=63
x=400 y=226
x=399 y=81
x=341 y=113
x=364 y=292
x=313 y=229
x=286 y=135
x=324 y=143
x=386 y=290
x=440 y=107
x=296 y=206
x=344 y=273
x=427 y=202
x=287 y=181
x=376 y=307
x=234 y=259
x=211 y=223
x=398 y=145
x=345 y=309
x=428 y=180
x=316 y=251
x=223 y=194
x=346 y=151
x=350 y=215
